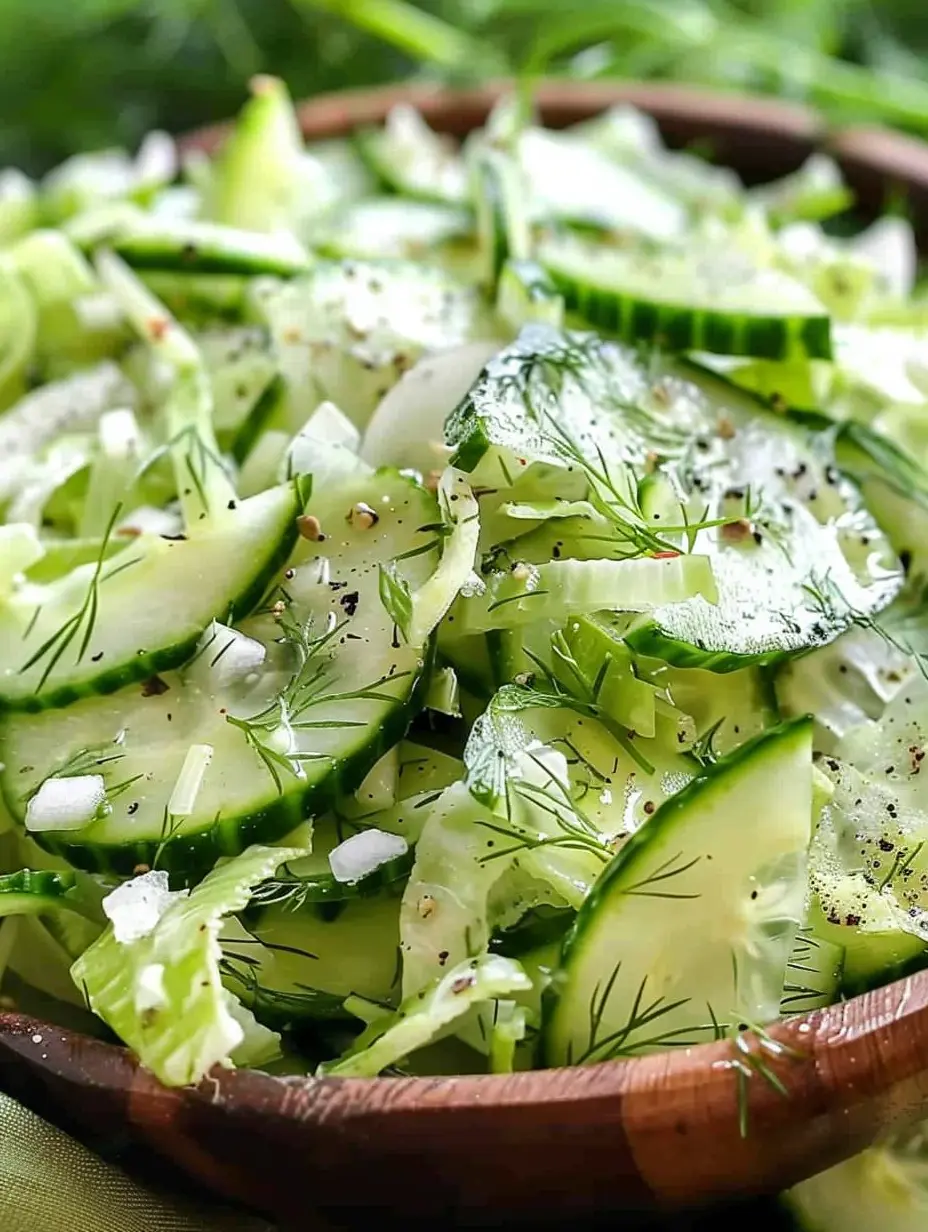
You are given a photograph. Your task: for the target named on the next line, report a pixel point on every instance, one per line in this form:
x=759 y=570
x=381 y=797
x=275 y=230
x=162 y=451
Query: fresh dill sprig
x=828 y=599
x=582 y=694
x=626 y=1040
x=703 y=748
x=754 y=1051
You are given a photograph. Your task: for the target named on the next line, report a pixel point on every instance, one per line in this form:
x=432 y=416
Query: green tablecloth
x=50 y=1183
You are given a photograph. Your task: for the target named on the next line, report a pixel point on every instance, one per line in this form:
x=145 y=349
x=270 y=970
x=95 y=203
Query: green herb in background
x=79 y=74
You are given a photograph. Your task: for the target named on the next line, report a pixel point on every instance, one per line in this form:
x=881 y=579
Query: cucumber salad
x=462 y=608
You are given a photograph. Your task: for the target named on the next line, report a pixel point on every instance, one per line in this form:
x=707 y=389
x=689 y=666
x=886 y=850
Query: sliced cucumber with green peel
x=722 y=304
x=526 y=293
x=118 y=620
x=502 y=219
x=883 y=1187
x=294 y=708
x=208 y=248
x=759 y=494
x=411 y=159
x=689 y=930
x=895 y=488
x=31 y=892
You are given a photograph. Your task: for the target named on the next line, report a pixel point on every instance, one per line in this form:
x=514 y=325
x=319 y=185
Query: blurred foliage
x=79 y=74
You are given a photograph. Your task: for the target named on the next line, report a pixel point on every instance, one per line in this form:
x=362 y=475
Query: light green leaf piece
x=422 y=1017
x=161 y=991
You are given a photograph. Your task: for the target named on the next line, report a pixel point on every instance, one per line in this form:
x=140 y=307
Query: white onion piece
x=66 y=803
x=136 y=907
x=361 y=854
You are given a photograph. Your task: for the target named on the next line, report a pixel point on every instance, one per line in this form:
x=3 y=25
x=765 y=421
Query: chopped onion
x=66 y=803
x=136 y=907
x=119 y=433
x=227 y=656
x=190 y=780
x=361 y=854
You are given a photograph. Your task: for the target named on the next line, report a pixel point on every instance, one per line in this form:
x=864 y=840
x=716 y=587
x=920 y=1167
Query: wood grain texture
x=659 y=1132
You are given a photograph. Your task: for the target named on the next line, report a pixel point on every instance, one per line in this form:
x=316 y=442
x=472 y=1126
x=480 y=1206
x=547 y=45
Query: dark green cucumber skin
x=258 y=418
x=365 y=142
x=38 y=883
x=651 y=640
x=664 y=817
x=144 y=666
x=145 y=253
x=188 y=856
x=687 y=329
x=533 y=930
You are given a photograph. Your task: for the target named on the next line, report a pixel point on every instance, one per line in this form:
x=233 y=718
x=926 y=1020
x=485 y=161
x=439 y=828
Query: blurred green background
x=81 y=74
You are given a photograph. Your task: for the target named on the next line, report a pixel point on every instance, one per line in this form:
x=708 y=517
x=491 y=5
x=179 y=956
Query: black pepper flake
x=97 y=657
x=133 y=808
x=350 y=602
x=442 y=957
x=232 y=505
x=154 y=686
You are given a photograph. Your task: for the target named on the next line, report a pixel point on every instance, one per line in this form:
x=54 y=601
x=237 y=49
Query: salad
x=461 y=609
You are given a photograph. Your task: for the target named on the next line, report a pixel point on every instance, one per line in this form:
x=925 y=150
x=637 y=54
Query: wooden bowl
x=655 y=1133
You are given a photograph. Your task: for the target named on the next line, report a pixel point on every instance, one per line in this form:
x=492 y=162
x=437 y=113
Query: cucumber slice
x=682 y=975
x=35 y=893
x=19 y=323
x=259 y=181
x=208 y=248
x=240 y=367
x=726 y=709
x=895 y=488
x=822 y=564
x=593 y=656
x=320 y=691
x=348 y=331
x=721 y=304
x=115 y=621
x=574 y=183
x=525 y=293
x=598 y=417
x=199 y=298
x=502 y=217
x=883 y=1187
x=411 y=159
